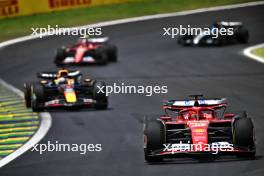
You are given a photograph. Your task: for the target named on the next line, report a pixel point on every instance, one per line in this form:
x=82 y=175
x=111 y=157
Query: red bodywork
x=194 y=128
x=197 y=119
x=80 y=49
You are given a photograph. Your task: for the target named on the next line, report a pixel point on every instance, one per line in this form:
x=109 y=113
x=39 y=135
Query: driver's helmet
x=62 y=80
x=190 y=115
x=217 y=24
x=193 y=115
x=84 y=40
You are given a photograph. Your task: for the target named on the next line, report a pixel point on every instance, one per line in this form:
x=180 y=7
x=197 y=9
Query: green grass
x=259 y=52
x=20 y=26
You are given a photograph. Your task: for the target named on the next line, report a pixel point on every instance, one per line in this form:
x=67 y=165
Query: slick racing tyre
x=60 y=56
x=154 y=136
x=218 y=41
x=243 y=136
x=100 y=56
x=242 y=35
x=185 y=40
x=27 y=94
x=37 y=97
x=99 y=96
x=112 y=52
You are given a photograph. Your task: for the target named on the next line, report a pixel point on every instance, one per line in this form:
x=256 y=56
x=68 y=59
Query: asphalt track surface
x=146 y=58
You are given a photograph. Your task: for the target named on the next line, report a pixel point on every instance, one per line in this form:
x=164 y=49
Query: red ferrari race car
x=87 y=51
x=198 y=128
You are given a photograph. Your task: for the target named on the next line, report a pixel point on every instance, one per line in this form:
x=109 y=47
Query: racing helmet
x=192 y=115
x=83 y=40
x=189 y=115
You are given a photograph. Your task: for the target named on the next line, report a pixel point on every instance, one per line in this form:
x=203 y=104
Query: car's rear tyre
x=27 y=94
x=60 y=56
x=154 y=136
x=218 y=41
x=182 y=40
x=37 y=97
x=112 y=53
x=242 y=35
x=100 y=55
x=100 y=96
x=243 y=136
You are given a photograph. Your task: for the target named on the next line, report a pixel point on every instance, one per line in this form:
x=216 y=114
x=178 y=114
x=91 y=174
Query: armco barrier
x=12 y=8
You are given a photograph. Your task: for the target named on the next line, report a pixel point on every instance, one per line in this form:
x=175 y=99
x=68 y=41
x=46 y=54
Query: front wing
x=81 y=102
x=85 y=60
x=175 y=152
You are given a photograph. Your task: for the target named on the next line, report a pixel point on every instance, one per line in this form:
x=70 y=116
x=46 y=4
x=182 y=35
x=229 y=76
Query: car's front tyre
x=154 y=138
x=243 y=136
x=99 y=95
x=37 y=97
x=27 y=94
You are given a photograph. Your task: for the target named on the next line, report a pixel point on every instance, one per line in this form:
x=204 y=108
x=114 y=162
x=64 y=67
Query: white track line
x=45 y=117
x=248 y=53
x=142 y=18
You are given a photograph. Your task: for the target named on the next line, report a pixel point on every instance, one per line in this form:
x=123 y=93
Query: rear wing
x=231 y=23
x=53 y=75
x=190 y=103
x=98 y=40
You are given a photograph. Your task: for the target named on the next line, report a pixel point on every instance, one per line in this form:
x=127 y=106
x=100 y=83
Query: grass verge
x=19 y=26
x=259 y=52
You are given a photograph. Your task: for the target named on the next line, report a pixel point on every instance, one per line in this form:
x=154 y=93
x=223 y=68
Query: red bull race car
x=87 y=51
x=198 y=128
x=64 y=89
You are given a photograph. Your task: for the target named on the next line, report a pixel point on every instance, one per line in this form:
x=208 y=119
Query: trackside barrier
x=13 y=8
